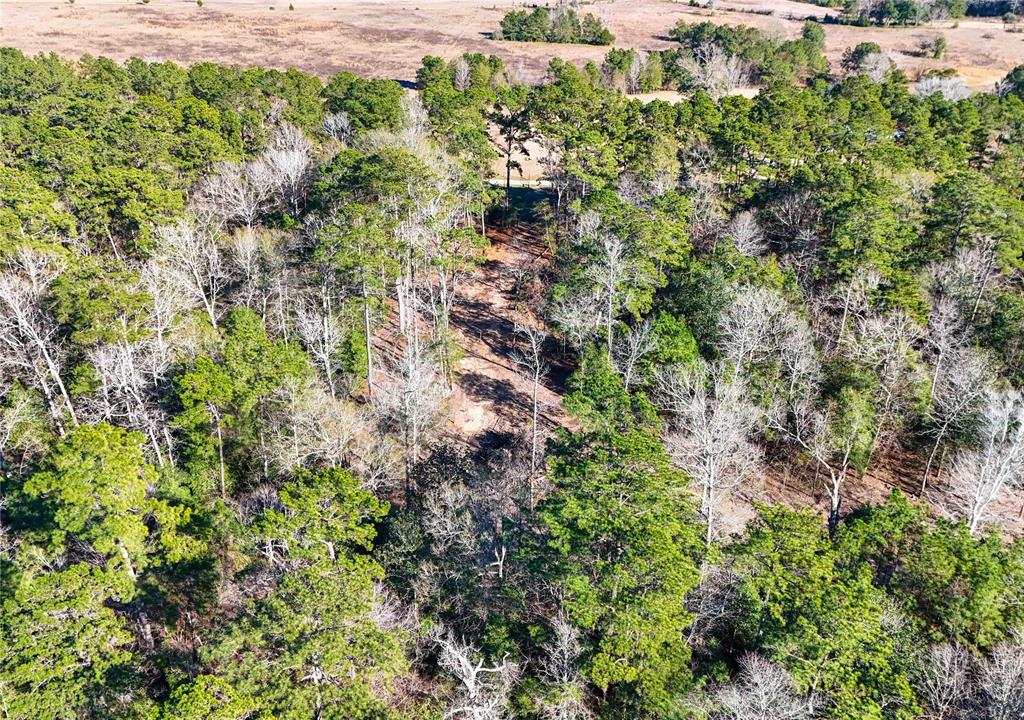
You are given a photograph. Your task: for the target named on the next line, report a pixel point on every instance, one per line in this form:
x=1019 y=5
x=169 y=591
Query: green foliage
x=226 y=400
x=598 y=398
x=94 y=488
x=770 y=59
x=957 y=587
x=184 y=571
x=206 y=698
x=99 y=303
x=968 y=209
x=1014 y=81
x=824 y=625
x=1002 y=332
x=458 y=115
x=368 y=103
x=563 y=25
x=316 y=622
x=29 y=211
x=65 y=654
x=622 y=546
x=853 y=57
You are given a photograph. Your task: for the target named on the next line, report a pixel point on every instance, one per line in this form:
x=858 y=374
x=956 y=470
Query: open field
x=387 y=38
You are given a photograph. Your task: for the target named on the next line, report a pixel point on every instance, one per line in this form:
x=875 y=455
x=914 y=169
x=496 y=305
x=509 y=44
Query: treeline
x=561 y=25
x=913 y=12
x=226 y=313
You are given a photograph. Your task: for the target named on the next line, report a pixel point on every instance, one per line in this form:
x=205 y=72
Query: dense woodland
x=226 y=349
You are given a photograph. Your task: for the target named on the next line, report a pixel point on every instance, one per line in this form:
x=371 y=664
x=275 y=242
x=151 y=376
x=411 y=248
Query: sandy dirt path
x=492 y=397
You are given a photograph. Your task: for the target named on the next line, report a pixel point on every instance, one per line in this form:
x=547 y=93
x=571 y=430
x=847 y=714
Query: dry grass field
x=387 y=38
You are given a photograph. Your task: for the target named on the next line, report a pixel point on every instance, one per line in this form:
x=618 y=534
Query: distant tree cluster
x=713 y=53
x=560 y=25
x=898 y=12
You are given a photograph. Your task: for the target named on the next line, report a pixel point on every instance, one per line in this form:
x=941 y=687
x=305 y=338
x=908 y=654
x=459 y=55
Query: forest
x=232 y=325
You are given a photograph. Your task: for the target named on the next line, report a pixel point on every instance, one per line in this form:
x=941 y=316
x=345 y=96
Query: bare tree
x=129 y=378
x=462 y=74
x=875 y=66
x=312 y=428
x=189 y=253
x=169 y=301
x=578 y=316
x=707 y=217
x=637 y=343
x=29 y=341
x=851 y=300
x=448 y=519
x=958 y=388
x=826 y=433
x=411 y=396
x=714 y=603
x=484 y=690
x=633 y=74
x=718 y=72
x=980 y=477
x=950 y=88
x=1002 y=682
x=633 y=189
x=376 y=459
x=966 y=276
x=245 y=253
x=712 y=429
x=16 y=416
x=946 y=332
x=338 y=126
x=884 y=344
x=566 y=694
x=389 y=613
x=753 y=327
x=289 y=160
x=531 y=360
x=613 y=272
x=746 y=234
x=323 y=337
x=238 y=192
x=763 y=691
x=945 y=682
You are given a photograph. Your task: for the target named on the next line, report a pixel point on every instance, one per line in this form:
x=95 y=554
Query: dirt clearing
x=384 y=38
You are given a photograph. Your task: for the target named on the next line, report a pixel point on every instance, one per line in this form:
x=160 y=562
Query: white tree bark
x=763 y=691
x=979 y=477
x=190 y=257
x=712 y=430
x=29 y=341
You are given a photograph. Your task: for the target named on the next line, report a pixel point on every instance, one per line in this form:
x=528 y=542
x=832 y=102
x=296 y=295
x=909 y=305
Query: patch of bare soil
x=493 y=397
x=797 y=485
x=388 y=38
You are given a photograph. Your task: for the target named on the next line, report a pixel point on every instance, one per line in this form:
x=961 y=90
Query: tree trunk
x=508 y=186
x=610 y=322
x=369 y=342
x=220 y=453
